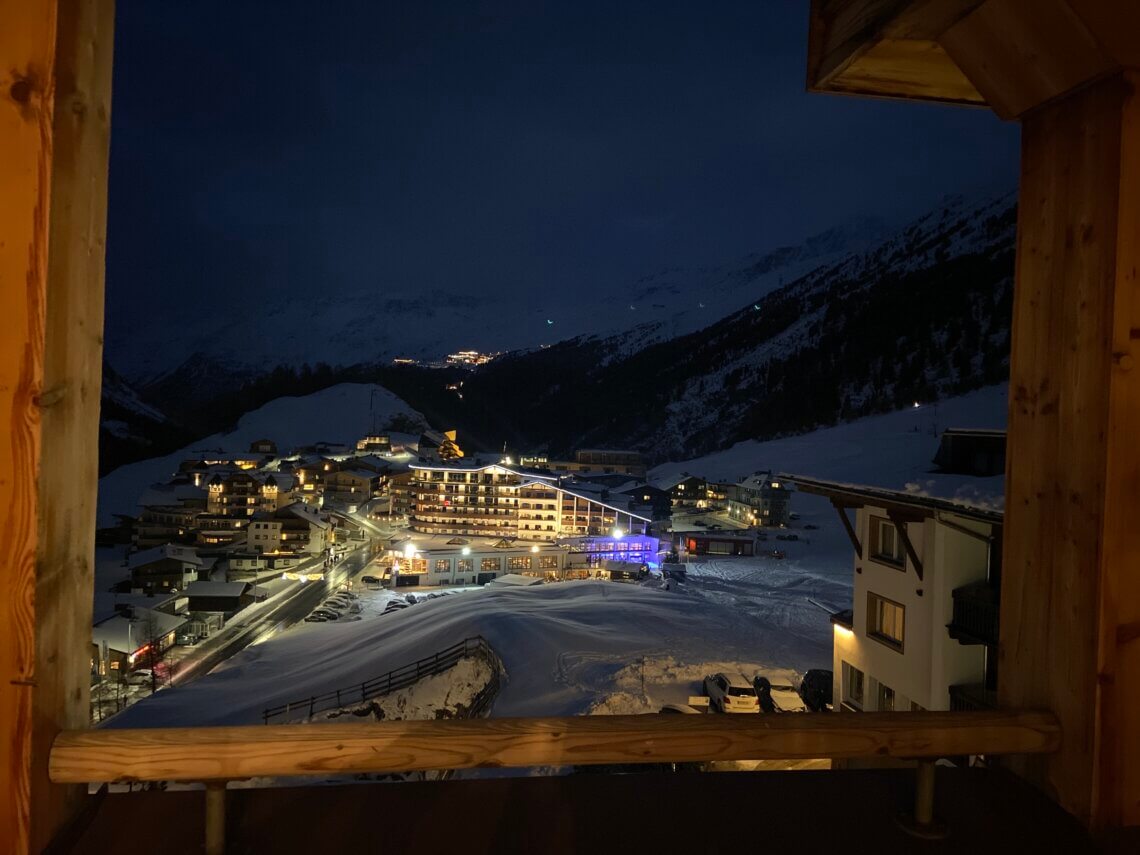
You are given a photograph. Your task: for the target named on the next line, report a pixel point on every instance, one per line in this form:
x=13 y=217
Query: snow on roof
x=216 y=589
x=181 y=553
x=976 y=507
x=360 y=473
x=307 y=513
x=126 y=634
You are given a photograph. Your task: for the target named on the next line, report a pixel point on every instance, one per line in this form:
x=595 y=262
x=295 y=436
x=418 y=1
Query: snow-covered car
x=327 y=614
x=815 y=689
x=316 y=619
x=731 y=693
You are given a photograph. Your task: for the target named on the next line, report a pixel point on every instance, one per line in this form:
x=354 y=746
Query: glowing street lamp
x=618 y=534
x=466 y=550
x=409 y=552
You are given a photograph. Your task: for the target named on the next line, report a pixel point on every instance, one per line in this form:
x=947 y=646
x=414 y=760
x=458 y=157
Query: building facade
x=500 y=501
x=916 y=636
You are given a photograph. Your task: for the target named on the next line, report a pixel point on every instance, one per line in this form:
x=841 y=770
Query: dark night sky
x=289 y=146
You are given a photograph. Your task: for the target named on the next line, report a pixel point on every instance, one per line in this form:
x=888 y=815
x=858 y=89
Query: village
x=236 y=547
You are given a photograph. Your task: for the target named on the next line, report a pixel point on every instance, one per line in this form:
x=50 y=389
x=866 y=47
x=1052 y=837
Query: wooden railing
x=226 y=753
x=215 y=755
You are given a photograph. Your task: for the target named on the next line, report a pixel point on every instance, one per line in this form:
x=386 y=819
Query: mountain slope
x=129 y=427
x=374 y=322
x=921 y=315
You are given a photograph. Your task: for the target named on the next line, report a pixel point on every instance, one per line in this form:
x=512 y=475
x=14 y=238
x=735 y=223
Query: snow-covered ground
x=593 y=646
x=342 y=413
x=565 y=648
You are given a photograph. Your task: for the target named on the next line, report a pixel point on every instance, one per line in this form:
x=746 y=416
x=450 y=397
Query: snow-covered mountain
x=377 y=324
x=681 y=363
x=921 y=315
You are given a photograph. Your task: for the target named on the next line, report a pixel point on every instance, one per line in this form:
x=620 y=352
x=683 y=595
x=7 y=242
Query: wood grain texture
x=70 y=398
x=1022 y=53
x=210 y=753
x=54 y=85
x=1118 y=666
x=27 y=47
x=888 y=49
x=1070 y=547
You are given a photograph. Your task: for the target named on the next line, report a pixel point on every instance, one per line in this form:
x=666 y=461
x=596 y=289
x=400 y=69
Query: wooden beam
x=1022 y=53
x=54 y=113
x=220 y=753
x=887 y=49
x=1070 y=605
x=841 y=509
x=900 y=522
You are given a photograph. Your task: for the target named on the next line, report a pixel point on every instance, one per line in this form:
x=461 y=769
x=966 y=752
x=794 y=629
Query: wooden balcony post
x=1070 y=604
x=55 y=86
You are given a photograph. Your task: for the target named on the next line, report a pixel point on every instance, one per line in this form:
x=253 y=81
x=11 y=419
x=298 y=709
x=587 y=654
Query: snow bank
x=564 y=647
x=340 y=413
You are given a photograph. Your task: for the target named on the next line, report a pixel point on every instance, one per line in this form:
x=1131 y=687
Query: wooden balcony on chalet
x=1067 y=734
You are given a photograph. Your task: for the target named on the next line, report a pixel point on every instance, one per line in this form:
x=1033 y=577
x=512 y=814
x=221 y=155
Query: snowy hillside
x=341 y=413
x=923 y=315
x=893 y=450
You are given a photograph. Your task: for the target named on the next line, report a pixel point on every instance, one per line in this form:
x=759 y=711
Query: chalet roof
x=858 y=495
x=306 y=512
x=126 y=634
x=360 y=473
x=217 y=589
x=170 y=550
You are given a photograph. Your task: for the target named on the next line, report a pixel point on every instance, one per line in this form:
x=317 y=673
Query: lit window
x=885 y=619
x=886 y=545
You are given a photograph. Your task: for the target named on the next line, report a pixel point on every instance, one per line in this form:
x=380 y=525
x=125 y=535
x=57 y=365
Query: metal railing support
x=215 y=817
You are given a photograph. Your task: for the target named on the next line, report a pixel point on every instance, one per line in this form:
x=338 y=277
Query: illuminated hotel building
x=499 y=500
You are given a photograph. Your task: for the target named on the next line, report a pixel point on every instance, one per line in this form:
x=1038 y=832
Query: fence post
x=363 y=693
x=215 y=817
x=312 y=704
x=338 y=703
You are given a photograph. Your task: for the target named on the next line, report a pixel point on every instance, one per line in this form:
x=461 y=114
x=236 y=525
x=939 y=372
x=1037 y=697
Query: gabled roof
x=858 y=495
x=186 y=554
x=216 y=589
x=126 y=634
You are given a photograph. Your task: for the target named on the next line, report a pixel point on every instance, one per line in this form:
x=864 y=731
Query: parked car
x=187 y=638
x=731 y=693
x=371 y=581
x=140 y=677
x=316 y=619
x=815 y=689
x=811 y=526
x=327 y=614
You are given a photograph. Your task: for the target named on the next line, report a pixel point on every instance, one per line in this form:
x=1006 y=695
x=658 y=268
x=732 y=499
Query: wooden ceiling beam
x=1011 y=55
x=887 y=49
x=1021 y=54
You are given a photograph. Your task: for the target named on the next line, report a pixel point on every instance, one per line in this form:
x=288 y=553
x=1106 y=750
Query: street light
x=618 y=534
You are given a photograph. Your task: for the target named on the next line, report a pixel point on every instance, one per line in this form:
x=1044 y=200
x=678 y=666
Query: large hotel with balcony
x=499 y=500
